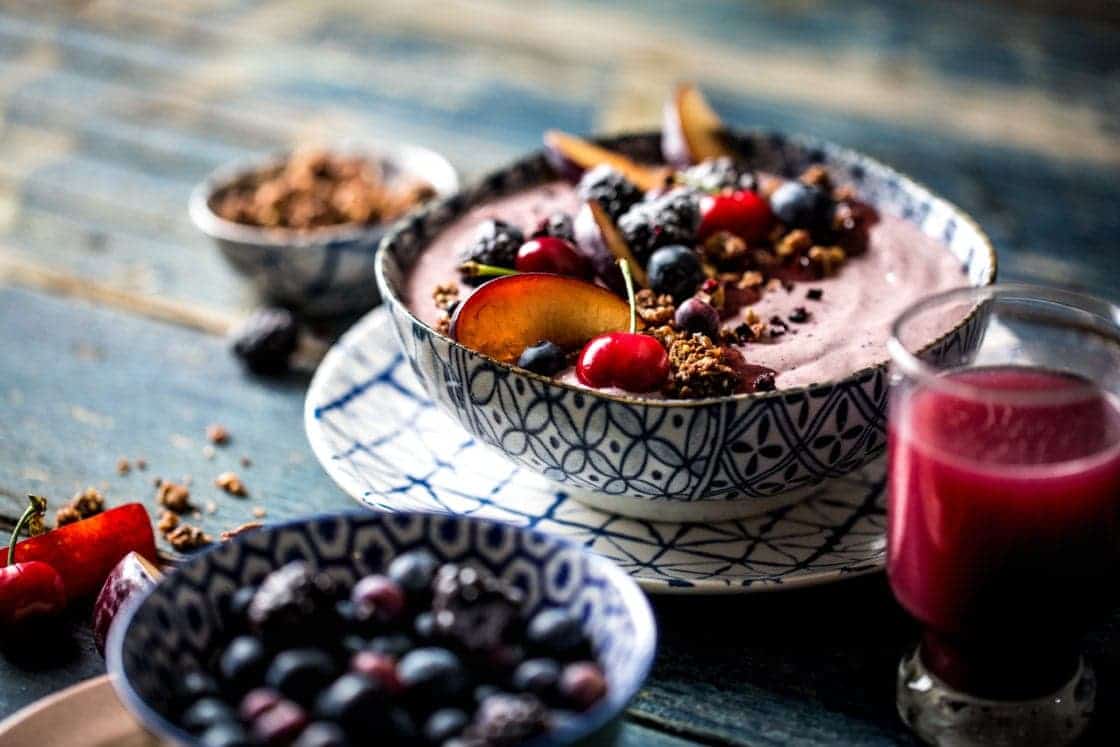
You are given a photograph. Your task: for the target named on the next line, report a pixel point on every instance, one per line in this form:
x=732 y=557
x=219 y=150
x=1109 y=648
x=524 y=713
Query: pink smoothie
x=848 y=327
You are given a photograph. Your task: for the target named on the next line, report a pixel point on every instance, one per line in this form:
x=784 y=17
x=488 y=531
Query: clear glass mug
x=1004 y=508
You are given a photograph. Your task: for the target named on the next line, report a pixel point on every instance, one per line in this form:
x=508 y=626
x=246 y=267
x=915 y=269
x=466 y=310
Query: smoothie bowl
x=687 y=342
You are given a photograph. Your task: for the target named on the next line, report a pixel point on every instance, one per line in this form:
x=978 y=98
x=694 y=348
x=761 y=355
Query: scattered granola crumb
x=724 y=249
x=795 y=242
x=773 y=284
x=157 y=481
x=82 y=505
x=231 y=483
x=239 y=530
x=666 y=335
x=246 y=461
x=827 y=259
x=697 y=369
x=66 y=515
x=168 y=520
x=211 y=507
x=259 y=512
x=443 y=325
x=814 y=294
x=141 y=464
x=196 y=514
x=799 y=315
x=216 y=433
x=188 y=537
x=208 y=452
x=123 y=467
x=654 y=309
x=446 y=295
x=173 y=496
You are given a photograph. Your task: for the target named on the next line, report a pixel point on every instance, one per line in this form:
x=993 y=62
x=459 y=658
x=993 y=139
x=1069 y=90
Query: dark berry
x=764 y=383
x=381 y=668
x=353 y=643
x=582 y=684
x=799 y=315
x=425 y=626
x=814 y=294
x=257 y=702
x=266 y=340
x=611 y=189
x=280 y=724
x=557 y=225
x=445 y=724
x=350 y=700
x=290 y=602
x=197 y=685
x=509 y=719
x=473 y=608
x=206 y=712
x=667 y=220
x=432 y=674
x=537 y=676
x=546 y=358
x=225 y=735
x=482 y=692
x=402 y=726
x=395 y=645
x=243 y=662
x=239 y=604
x=696 y=315
x=505 y=657
x=300 y=673
x=378 y=597
x=557 y=632
x=718 y=174
x=414 y=572
x=494 y=243
x=799 y=205
x=675 y=270
x=322 y=734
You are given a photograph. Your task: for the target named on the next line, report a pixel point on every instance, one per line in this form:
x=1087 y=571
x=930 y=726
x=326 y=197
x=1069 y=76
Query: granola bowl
x=322 y=271
x=677 y=460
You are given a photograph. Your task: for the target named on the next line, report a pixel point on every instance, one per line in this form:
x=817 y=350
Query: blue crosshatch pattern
x=392 y=449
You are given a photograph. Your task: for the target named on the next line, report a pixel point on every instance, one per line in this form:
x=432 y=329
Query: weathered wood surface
x=110 y=302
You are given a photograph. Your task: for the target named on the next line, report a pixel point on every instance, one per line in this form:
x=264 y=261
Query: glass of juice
x=1004 y=508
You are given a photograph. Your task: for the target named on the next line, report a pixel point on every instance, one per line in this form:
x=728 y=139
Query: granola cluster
x=83 y=505
x=699 y=369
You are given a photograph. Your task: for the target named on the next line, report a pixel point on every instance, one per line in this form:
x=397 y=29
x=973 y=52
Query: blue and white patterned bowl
x=321 y=272
x=697 y=460
x=178 y=626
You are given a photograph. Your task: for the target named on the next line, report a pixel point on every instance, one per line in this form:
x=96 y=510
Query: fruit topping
x=472 y=608
x=718 y=175
x=571 y=156
x=667 y=220
x=432 y=675
x=243 y=662
x=696 y=316
x=556 y=225
x=691 y=131
x=445 y=724
x=610 y=189
x=550 y=254
x=537 y=676
x=280 y=724
x=379 y=598
x=509 y=314
x=266 y=340
x=675 y=271
x=582 y=684
x=600 y=239
x=322 y=734
x=545 y=358
x=799 y=205
x=414 y=572
x=495 y=243
x=301 y=673
x=742 y=213
x=507 y=720
x=287 y=600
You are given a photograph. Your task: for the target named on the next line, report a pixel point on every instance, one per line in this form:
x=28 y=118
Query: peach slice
x=508 y=314
x=571 y=156
x=691 y=131
x=601 y=241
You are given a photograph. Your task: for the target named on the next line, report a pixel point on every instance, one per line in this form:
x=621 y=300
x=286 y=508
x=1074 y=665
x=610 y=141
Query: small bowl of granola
x=304 y=225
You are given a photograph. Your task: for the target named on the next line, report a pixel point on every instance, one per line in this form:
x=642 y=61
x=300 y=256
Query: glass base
x=941 y=715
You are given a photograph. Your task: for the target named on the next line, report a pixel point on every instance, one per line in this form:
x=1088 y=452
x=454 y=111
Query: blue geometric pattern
x=390 y=447
x=743 y=448
x=179 y=626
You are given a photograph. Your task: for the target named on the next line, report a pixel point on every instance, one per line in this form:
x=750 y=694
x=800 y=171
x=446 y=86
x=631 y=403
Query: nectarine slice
x=565 y=149
x=691 y=131
x=508 y=314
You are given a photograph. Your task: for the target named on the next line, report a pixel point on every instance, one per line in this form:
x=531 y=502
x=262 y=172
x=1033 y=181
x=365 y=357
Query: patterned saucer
x=387 y=445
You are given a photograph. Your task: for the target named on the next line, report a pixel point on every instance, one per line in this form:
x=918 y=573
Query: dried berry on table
x=266 y=340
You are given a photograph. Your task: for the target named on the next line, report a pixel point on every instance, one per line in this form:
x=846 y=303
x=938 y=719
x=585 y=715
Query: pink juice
x=1003 y=522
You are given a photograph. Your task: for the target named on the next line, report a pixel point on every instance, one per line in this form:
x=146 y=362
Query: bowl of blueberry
x=686 y=325
x=402 y=629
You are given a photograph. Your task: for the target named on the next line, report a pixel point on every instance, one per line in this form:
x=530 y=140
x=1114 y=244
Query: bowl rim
x=633 y=599
x=806 y=142
x=436 y=170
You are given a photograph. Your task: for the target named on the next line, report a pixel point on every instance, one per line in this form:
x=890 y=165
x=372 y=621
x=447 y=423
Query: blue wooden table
x=112 y=307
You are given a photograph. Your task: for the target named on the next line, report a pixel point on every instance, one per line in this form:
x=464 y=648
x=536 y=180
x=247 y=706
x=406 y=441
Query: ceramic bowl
x=322 y=272
x=693 y=460
x=177 y=626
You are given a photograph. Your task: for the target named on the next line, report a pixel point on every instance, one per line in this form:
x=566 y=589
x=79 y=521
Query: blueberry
x=494 y=243
x=322 y=734
x=300 y=673
x=445 y=724
x=266 y=340
x=482 y=692
x=695 y=315
x=354 y=643
x=799 y=205
x=395 y=645
x=670 y=219
x=243 y=662
x=546 y=358
x=582 y=684
x=228 y=734
x=280 y=724
x=256 y=702
x=537 y=676
x=425 y=626
x=197 y=685
x=434 y=674
x=351 y=700
x=239 y=603
x=557 y=632
x=206 y=712
x=378 y=598
x=610 y=188
x=675 y=270
x=414 y=572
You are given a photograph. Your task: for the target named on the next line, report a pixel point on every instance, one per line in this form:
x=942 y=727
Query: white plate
x=383 y=441
x=85 y=715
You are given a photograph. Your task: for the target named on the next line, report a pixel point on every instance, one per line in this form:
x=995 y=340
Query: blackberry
x=670 y=219
x=472 y=608
x=718 y=174
x=290 y=602
x=509 y=719
x=495 y=243
x=557 y=225
x=611 y=189
x=266 y=340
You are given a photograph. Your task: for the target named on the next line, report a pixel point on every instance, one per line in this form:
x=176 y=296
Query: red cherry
x=636 y=363
x=555 y=255
x=742 y=213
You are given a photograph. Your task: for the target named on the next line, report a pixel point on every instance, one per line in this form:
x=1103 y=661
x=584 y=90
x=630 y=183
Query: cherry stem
x=629 y=280
x=478 y=270
x=37 y=507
